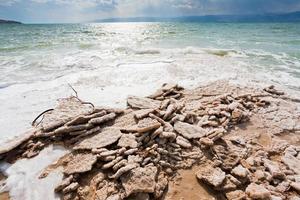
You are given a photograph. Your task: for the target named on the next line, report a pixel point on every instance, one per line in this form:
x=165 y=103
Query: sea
x=106 y=62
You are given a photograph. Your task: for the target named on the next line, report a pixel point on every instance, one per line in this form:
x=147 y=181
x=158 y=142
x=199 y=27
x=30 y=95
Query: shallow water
x=106 y=62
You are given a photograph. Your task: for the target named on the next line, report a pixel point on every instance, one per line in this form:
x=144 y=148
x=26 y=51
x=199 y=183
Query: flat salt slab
x=10 y=145
x=80 y=163
x=140 y=180
x=189 y=131
x=128 y=140
x=103 y=139
x=142 y=103
x=212 y=176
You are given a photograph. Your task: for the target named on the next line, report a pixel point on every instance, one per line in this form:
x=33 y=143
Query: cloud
x=8 y=2
x=87 y=10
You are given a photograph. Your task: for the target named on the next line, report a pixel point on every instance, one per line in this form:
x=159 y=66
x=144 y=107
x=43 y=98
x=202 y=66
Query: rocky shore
x=218 y=141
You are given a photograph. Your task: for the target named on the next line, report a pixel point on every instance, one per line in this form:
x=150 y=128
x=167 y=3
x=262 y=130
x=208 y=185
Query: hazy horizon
x=77 y=11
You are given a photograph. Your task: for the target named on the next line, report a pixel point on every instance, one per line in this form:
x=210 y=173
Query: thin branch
x=33 y=122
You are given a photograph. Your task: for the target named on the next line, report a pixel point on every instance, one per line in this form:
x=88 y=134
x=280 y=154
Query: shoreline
x=178 y=112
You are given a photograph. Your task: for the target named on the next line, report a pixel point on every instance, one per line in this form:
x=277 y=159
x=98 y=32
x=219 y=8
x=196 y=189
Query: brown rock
x=142 y=103
x=292 y=162
x=161 y=185
x=139 y=114
x=212 y=176
x=140 y=180
x=255 y=191
x=296 y=186
x=103 y=139
x=128 y=140
x=273 y=169
x=72 y=187
x=189 y=131
x=240 y=172
x=236 y=195
x=67 y=181
x=183 y=142
x=147 y=124
x=80 y=163
x=105 y=118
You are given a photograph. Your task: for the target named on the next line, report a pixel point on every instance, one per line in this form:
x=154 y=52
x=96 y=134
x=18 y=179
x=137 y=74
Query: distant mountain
x=287 y=17
x=2 y=21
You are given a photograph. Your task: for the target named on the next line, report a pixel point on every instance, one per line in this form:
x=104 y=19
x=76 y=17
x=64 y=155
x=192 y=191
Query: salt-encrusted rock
x=10 y=145
x=81 y=119
x=271 y=89
x=296 y=186
x=67 y=181
x=255 y=191
x=189 y=131
x=212 y=176
x=161 y=185
x=140 y=180
x=70 y=188
x=142 y=103
x=101 y=120
x=128 y=140
x=103 y=139
x=68 y=129
x=236 y=195
x=112 y=163
x=123 y=170
x=240 y=172
x=147 y=124
x=139 y=114
x=170 y=110
x=183 y=142
x=168 y=135
x=206 y=142
x=273 y=169
x=80 y=163
x=291 y=161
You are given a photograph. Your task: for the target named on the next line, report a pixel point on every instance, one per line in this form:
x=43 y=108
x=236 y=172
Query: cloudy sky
x=51 y=11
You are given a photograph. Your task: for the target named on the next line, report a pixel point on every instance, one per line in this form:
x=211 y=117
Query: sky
x=64 y=11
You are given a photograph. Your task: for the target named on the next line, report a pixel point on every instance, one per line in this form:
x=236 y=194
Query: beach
x=43 y=65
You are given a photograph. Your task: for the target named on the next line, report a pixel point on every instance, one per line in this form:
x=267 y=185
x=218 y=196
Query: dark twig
x=42 y=114
x=76 y=96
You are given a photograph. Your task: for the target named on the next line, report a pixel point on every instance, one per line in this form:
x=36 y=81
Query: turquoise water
x=43 y=52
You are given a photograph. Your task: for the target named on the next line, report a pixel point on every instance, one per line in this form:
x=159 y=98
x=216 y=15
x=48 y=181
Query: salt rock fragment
x=128 y=140
x=291 y=161
x=161 y=185
x=142 y=103
x=189 y=131
x=296 y=186
x=72 y=187
x=273 y=169
x=255 y=191
x=10 y=145
x=212 y=176
x=236 y=195
x=147 y=124
x=103 y=139
x=140 y=180
x=240 y=171
x=183 y=142
x=67 y=181
x=105 y=118
x=139 y=114
x=80 y=163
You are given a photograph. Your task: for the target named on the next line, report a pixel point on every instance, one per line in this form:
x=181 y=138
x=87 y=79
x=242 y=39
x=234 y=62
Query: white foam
x=23 y=182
